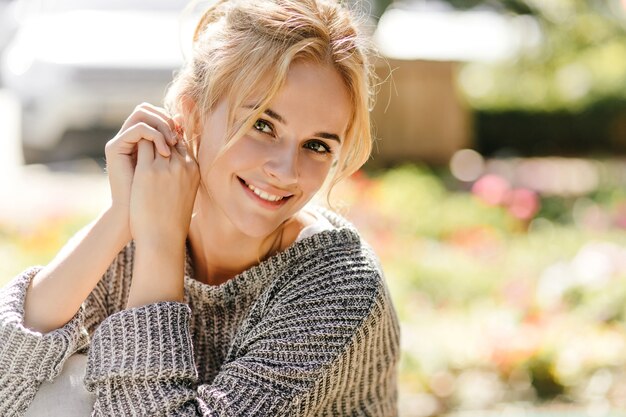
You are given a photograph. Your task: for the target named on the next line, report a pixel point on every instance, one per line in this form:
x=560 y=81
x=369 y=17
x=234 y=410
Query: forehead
x=314 y=97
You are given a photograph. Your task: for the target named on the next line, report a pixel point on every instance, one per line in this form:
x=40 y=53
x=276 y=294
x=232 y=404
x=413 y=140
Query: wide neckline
x=260 y=275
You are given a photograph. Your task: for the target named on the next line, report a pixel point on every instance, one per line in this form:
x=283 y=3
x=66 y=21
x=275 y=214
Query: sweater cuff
x=151 y=342
x=29 y=354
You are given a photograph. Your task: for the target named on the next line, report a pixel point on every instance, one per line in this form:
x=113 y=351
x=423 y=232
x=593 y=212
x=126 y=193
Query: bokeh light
x=467 y=165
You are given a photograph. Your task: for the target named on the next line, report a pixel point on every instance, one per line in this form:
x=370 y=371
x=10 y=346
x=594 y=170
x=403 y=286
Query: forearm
x=141 y=362
x=158 y=272
x=58 y=290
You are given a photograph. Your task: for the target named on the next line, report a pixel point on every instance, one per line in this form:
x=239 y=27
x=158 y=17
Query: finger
x=163 y=114
x=163 y=159
x=184 y=153
x=145 y=154
x=160 y=121
x=158 y=110
x=143 y=131
x=181 y=148
x=155 y=117
x=149 y=108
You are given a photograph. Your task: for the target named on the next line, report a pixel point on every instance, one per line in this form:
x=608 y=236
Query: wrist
x=161 y=244
x=158 y=272
x=161 y=237
x=117 y=221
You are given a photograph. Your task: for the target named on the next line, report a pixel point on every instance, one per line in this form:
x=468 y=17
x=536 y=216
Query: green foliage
x=419 y=204
x=544 y=381
x=580 y=60
x=534 y=309
x=21 y=247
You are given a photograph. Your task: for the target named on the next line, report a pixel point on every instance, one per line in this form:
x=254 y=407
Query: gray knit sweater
x=310 y=331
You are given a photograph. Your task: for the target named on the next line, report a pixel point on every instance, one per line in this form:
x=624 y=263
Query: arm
x=42 y=322
x=320 y=347
x=162 y=198
x=61 y=287
x=57 y=291
x=28 y=358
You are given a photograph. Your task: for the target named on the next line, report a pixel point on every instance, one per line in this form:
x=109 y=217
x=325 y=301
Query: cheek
x=241 y=155
x=248 y=148
x=247 y=153
x=210 y=143
x=313 y=173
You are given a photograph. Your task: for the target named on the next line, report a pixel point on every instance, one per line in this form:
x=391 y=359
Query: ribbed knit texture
x=309 y=332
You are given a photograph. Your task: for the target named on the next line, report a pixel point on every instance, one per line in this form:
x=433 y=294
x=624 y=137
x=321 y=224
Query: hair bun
x=211 y=15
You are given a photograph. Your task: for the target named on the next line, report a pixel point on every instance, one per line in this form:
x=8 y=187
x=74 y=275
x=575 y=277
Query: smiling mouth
x=265 y=196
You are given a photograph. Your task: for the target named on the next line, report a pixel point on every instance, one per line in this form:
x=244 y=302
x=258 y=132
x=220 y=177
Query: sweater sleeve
x=328 y=348
x=27 y=358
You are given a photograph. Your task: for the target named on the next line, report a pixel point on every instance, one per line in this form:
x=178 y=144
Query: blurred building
x=419 y=113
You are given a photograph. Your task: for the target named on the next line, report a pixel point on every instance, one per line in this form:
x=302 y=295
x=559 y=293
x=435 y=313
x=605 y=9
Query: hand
x=162 y=195
x=161 y=201
x=146 y=122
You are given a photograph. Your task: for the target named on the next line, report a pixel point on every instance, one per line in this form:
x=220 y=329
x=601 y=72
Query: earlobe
x=190 y=122
x=188 y=104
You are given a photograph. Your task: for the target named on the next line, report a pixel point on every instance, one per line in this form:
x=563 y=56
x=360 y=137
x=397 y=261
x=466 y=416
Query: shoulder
x=341 y=245
x=334 y=284
x=337 y=264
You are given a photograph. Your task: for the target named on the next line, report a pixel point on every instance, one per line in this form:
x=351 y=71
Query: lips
x=263 y=197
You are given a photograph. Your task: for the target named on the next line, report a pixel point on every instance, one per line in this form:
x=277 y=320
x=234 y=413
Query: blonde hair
x=240 y=45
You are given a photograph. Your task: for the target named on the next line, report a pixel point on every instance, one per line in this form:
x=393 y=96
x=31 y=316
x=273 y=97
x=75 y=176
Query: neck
x=220 y=251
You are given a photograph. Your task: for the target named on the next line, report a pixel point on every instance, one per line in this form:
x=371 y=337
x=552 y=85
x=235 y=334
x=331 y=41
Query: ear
x=191 y=123
x=190 y=118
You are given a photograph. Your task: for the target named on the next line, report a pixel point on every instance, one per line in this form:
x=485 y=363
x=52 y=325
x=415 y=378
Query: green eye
x=263 y=126
x=318 y=147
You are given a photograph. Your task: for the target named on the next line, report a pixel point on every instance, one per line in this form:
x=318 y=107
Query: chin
x=257 y=227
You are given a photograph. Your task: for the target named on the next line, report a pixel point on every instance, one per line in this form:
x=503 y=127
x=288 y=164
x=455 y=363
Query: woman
x=209 y=286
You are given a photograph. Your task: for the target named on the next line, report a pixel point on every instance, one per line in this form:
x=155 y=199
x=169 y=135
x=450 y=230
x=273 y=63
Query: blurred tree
x=381 y=6
x=516 y=6
x=373 y=8
x=579 y=61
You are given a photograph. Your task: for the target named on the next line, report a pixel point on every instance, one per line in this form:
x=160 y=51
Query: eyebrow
x=324 y=135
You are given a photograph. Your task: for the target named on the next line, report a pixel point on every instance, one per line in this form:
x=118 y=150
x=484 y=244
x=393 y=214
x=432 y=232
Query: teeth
x=263 y=194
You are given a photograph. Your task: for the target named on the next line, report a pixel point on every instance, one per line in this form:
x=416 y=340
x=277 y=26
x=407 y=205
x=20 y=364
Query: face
x=272 y=171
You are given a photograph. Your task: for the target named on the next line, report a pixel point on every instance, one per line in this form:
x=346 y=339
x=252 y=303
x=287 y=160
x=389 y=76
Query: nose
x=282 y=165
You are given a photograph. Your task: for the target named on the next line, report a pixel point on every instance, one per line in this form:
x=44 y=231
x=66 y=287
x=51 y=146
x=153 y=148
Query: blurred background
x=496 y=197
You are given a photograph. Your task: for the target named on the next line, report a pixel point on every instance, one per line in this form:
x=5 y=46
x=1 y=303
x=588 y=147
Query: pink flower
x=523 y=203
x=492 y=189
